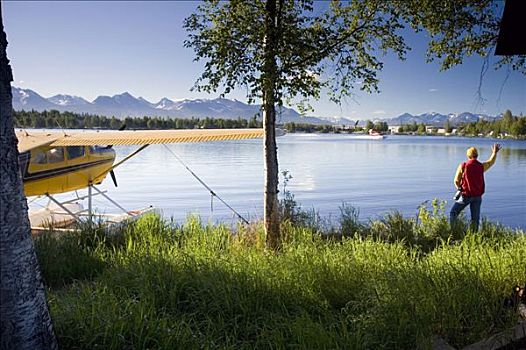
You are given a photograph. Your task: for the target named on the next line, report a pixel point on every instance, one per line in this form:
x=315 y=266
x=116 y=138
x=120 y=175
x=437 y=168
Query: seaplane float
x=59 y=162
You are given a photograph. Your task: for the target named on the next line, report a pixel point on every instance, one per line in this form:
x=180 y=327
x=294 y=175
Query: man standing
x=469 y=180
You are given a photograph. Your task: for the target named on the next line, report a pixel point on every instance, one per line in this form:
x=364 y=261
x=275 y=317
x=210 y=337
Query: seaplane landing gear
x=65 y=215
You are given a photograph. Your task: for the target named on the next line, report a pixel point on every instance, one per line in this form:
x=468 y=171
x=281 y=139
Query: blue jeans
x=474 y=207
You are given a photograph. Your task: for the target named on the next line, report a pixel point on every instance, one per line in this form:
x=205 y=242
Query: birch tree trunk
x=271 y=212
x=24 y=315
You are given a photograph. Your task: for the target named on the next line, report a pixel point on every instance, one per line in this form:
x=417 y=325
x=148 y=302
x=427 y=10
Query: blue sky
x=105 y=48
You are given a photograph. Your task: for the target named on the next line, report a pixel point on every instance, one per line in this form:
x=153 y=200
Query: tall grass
x=392 y=283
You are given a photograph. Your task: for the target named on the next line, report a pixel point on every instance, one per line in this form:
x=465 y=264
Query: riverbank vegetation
x=389 y=283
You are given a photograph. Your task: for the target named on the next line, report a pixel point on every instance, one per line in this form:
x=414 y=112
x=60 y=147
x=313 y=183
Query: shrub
x=349 y=221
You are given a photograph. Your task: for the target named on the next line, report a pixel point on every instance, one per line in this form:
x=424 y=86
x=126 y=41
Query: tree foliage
x=337 y=50
x=334 y=47
x=447 y=126
x=460 y=28
x=381 y=126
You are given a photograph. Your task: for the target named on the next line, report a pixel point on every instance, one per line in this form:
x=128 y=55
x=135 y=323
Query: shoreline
x=521 y=138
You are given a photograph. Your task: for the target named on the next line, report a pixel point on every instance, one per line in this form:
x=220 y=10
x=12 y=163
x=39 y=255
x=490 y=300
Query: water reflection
x=512 y=156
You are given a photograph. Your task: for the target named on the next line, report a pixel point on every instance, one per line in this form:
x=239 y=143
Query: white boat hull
x=369 y=137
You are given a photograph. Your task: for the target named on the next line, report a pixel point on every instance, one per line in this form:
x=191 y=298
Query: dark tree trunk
x=271 y=212
x=24 y=315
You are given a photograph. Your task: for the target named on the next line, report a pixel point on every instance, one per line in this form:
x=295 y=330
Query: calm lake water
x=399 y=172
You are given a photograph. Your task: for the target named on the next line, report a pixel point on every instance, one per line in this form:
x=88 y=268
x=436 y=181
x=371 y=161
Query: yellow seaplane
x=58 y=162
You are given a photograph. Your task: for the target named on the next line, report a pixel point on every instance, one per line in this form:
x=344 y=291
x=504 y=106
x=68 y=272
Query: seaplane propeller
x=123 y=126
x=112 y=174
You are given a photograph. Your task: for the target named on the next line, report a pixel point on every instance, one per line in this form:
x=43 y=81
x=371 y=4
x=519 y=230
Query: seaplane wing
x=149 y=137
x=31 y=140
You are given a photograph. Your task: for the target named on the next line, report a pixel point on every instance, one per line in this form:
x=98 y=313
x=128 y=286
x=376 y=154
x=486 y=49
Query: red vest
x=472 y=178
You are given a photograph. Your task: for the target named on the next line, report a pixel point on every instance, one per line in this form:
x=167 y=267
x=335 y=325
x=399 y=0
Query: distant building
x=435 y=130
x=394 y=129
x=429 y=129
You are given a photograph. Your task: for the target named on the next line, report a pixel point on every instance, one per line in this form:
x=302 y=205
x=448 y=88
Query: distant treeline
x=306 y=127
x=508 y=125
x=68 y=120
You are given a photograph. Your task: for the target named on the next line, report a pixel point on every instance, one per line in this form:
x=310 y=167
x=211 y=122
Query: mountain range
x=437 y=119
x=123 y=105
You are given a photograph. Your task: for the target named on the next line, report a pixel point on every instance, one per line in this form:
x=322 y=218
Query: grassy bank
x=159 y=285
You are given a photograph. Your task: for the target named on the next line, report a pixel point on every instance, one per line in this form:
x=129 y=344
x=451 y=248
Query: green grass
x=163 y=286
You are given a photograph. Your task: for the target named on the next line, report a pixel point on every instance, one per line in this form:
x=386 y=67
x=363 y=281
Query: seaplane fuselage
x=52 y=170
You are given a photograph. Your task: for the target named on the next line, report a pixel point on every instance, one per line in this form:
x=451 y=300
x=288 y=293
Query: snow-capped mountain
x=148 y=103
x=467 y=117
x=202 y=108
x=125 y=104
x=67 y=100
x=437 y=119
x=338 y=120
x=165 y=104
x=402 y=119
x=28 y=99
x=124 y=100
x=431 y=118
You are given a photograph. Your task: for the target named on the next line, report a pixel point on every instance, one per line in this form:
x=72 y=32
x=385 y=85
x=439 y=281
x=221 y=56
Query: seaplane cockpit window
x=75 y=151
x=39 y=157
x=55 y=155
x=99 y=149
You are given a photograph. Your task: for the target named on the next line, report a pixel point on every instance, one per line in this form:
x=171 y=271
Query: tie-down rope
x=212 y=193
